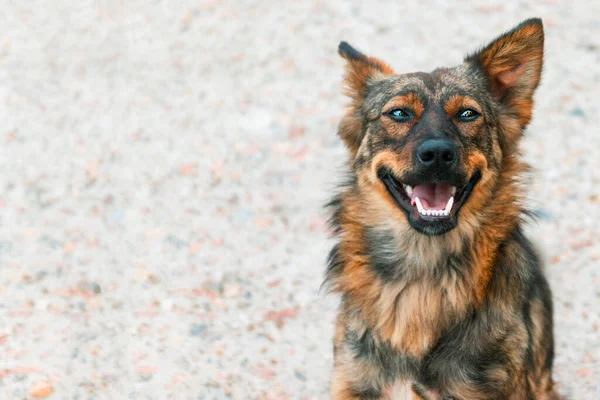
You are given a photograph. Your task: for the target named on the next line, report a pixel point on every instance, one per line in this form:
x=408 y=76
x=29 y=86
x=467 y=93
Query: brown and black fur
x=463 y=311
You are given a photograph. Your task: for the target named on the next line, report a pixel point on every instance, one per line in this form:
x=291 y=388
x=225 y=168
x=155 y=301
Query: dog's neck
x=380 y=266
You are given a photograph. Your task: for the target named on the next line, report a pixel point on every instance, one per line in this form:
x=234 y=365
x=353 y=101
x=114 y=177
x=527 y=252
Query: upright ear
x=513 y=65
x=360 y=69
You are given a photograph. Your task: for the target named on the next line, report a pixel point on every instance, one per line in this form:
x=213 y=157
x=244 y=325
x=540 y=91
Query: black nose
x=437 y=153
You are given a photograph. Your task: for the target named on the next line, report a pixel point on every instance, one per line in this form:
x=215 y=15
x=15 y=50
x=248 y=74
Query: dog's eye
x=467 y=115
x=399 y=115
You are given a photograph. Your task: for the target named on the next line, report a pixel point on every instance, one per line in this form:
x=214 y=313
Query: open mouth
x=429 y=202
x=431 y=199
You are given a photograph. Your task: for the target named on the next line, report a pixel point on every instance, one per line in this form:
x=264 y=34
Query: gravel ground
x=163 y=167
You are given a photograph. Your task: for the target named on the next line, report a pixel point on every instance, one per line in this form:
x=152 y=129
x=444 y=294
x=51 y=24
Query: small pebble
x=197 y=329
x=41 y=390
x=300 y=376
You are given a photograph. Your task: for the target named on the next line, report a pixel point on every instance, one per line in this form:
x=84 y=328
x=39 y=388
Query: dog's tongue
x=433 y=196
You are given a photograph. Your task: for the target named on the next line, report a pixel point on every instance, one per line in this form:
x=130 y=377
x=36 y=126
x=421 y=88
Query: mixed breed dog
x=442 y=295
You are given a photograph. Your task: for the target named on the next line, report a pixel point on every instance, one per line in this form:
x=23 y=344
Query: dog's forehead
x=429 y=86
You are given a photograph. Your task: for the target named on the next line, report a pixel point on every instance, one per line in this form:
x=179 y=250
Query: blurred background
x=163 y=167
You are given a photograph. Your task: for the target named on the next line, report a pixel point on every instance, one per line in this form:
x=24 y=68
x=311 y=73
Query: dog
x=442 y=295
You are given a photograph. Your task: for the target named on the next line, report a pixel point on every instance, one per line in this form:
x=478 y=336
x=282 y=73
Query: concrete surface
x=163 y=167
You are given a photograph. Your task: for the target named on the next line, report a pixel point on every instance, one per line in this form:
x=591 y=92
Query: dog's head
x=432 y=145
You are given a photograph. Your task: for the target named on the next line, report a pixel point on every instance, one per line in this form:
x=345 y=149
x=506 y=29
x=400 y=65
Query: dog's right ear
x=360 y=70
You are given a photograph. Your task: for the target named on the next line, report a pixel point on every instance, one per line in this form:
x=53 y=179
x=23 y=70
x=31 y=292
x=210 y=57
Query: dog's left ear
x=513 y=65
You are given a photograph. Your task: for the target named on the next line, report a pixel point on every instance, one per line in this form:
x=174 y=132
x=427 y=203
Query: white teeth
x=408 y=189
x=453 y=190
x=438 y=213
x=449 y=205
x=419 y=206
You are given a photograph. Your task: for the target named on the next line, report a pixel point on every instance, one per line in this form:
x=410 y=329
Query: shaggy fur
x=457 y=309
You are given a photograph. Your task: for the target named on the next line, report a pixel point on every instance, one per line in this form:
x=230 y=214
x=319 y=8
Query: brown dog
x=442 y=295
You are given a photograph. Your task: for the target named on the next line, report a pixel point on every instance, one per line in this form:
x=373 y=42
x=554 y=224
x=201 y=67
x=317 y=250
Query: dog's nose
x=437 y=153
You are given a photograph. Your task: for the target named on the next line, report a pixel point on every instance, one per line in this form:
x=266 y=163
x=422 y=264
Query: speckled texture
x=163 y=167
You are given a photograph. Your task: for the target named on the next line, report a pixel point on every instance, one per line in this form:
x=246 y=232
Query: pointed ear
x=513 y=65
x=360 y=69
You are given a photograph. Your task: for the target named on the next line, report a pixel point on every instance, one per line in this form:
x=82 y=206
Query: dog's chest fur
x=412 y=315
x=414 y=302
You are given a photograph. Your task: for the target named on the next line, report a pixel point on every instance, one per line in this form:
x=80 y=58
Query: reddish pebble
x=274 y=283
x=280 y=316
x=146 y=370
x=187 y=169
x=41 y=390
